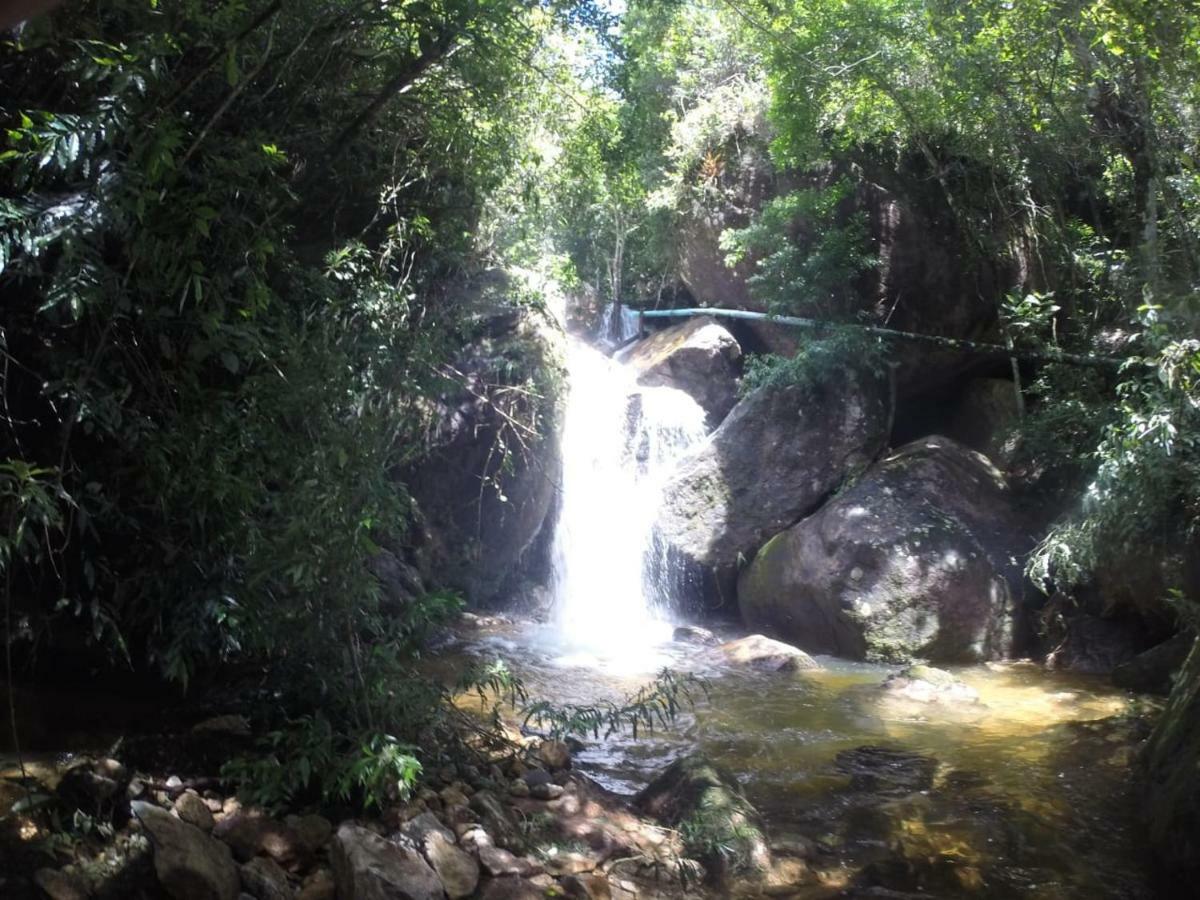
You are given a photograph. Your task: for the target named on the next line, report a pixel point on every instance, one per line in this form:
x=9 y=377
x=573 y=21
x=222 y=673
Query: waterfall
x=618 y=325
x=620 y=443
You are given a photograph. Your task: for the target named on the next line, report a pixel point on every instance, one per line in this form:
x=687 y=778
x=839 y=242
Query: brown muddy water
x=1028 y=793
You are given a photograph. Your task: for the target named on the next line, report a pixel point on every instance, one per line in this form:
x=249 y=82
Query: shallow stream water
x=1027 y=793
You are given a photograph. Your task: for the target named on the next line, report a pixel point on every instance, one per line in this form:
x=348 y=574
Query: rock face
x=368 y=867
x=484 y=509
x=698 y=357
x=457 y=869
x=776 y=456
x=706 y=802
x=190 y=865
x=1172 y=790
x=920 y=558
x=1153 y=671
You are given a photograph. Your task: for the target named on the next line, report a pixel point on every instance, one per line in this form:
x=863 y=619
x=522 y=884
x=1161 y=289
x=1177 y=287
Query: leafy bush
x=835 y=357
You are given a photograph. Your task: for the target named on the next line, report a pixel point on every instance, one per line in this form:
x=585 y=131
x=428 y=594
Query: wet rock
x=480 y=542
x=694 y=634
x=534 y=777
x=61 y=885
x=699 y=357
x=368 y=867
x=886 y=771
x=775 y=458
x=556 y=755
x=1095 y=646
x=695 y=791
x=250 y=832
x=1153 y=671
x=925 y=684
x=190 y=864
x=760 y=652
x=264 y=879
x=511 y=888
x=918 y=559
x=192 y=809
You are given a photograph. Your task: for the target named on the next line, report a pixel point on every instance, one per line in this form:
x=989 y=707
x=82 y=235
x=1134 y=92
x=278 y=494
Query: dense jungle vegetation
x=244 y=244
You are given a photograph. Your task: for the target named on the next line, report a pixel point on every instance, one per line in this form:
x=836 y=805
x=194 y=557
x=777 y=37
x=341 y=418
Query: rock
x=548 y=791
x=775 y=458
x=368 y=867
x=1095 y=646
x=482 y=541
x=496 y=819
x=511 y=888
x=556 y=755
x=699 y=357
x=60 y=885
x=174 y=784
x=886 y=771
x=534 y=777
x=984 y=414
x=694 y=634
x=764 y=653
x=918 y=559
x=457 y=870
x=1171 y=789
x=249 y=833
x=695 y=791
x=190 y=864
x=1152 y=671
x=519 y=788
x=313 y=831
x=192 y=809
x=925 y=684
x=318 y=886
x=231 y=725
x=263 y=878
x=400 y=583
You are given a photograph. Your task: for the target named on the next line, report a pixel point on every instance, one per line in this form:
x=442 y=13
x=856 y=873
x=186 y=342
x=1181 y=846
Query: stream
x=1027 y=792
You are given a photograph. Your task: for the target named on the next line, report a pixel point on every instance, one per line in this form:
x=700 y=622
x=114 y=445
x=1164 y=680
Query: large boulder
x=699 y=357
x=920 y=558
x=190 y=864
x=719 y=826
x=1171 y=795
x=369 y=867
x=780 y=452
x=1153 y=671
x=487 y=481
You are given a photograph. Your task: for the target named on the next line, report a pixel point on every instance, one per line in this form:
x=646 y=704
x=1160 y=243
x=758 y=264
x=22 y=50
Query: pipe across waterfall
x=621 y=441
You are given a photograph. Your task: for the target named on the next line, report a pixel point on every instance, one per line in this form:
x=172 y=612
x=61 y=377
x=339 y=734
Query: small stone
x=547 y=791
x=250 y=833
x=511 y=888
x=263 y=878
x=693 y=634
x=318 y=886
x=555 y=754
x=519 y=788
x=534 y=777
x=135 y=789
x=193 y=810
x=111 y=768
x=314 y=831
x=452 y=796
x=174 y=783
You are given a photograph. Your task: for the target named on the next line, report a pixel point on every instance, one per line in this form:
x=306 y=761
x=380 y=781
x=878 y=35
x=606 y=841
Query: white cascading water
x=620 y=443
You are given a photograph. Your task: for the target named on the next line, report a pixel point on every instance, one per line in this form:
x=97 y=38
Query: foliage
x=655 y=705
x=807 y=251
x=842 y=354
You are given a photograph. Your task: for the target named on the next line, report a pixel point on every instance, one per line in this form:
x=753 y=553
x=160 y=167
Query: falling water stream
x=1031 y=792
